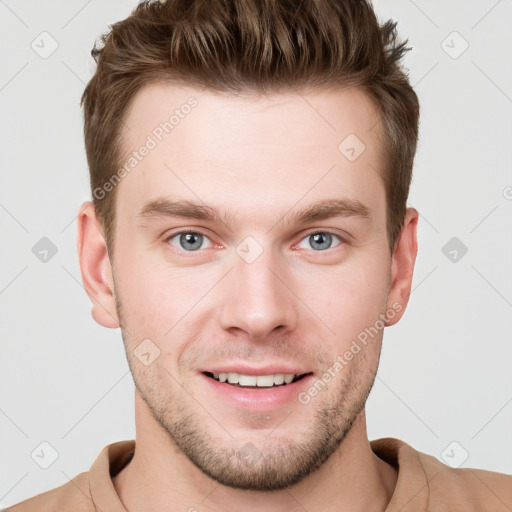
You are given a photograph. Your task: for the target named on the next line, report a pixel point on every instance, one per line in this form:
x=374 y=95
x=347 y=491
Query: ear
x=95 y=267
x=402 y=266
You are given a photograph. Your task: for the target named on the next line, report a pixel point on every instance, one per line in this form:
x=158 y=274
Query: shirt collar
x=109 y=462
x=412 y=487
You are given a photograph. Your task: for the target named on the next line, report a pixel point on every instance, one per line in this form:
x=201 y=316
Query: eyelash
x=323 y=232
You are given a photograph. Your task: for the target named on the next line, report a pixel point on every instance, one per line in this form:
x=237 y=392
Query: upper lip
x=271 y=369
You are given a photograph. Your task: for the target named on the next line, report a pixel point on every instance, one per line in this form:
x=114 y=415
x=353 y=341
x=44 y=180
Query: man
x=250 y=165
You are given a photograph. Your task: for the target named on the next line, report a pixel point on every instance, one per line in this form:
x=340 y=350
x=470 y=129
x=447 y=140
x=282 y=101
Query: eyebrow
x=325 y=209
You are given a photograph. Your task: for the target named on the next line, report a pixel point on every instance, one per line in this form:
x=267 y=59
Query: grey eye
x=321 y=240
x=188 y=241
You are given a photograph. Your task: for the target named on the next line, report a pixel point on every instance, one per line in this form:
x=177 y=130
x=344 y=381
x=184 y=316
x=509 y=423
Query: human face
x=254 y=292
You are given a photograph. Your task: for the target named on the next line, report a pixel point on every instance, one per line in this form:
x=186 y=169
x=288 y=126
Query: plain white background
x=445 y=372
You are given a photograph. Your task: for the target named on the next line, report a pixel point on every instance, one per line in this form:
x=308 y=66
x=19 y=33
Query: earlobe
x=402 y=266
x=95 y=267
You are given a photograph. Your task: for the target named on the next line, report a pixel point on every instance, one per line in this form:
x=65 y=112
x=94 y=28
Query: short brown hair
x=251 y=46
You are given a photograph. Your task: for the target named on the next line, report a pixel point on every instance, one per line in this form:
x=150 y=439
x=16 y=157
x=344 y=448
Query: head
x=303 y=115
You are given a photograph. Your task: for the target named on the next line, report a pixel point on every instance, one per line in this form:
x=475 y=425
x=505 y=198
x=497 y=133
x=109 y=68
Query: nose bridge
x=257 y=300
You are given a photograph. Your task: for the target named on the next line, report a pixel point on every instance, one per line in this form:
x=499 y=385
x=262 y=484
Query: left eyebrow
x=329 y=208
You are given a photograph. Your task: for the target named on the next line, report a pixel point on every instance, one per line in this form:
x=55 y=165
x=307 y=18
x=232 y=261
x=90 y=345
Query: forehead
x=255 y=152
x=325 y=113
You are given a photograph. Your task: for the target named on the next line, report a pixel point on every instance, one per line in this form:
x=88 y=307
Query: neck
x=352 y=479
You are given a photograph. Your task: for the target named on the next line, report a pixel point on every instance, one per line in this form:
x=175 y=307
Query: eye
x=321 y=240
x=189 y=241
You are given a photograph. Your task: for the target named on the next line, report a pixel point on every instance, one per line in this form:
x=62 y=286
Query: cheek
x=348 y=298
x=157 y=298
x=146 y=297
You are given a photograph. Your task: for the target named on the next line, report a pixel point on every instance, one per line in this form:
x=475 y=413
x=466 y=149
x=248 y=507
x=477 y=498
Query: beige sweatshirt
x=424 y=484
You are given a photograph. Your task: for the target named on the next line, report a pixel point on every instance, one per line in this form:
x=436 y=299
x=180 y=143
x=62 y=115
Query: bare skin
x=299 y=303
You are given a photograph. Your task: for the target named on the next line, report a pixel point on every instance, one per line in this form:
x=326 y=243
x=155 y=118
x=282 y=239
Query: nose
x=258 y=298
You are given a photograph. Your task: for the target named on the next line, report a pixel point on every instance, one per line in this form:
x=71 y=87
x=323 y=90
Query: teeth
x=263 y=381
x=233 y=378
x=288 y=378
x=247 y=380
x=279 y=379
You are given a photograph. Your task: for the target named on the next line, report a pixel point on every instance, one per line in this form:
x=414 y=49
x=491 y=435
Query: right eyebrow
x=163 y=207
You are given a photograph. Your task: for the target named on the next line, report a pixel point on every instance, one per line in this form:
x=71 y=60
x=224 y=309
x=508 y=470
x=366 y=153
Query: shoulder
x=73 y=495
x=478 y=488
x=89 y=491
x=426 y=483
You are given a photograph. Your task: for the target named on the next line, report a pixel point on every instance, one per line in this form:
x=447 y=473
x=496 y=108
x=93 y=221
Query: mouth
x=255 y=389
x=256 y=381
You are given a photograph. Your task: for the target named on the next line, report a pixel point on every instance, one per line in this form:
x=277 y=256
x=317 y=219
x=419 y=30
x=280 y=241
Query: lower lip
x=260 y=399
